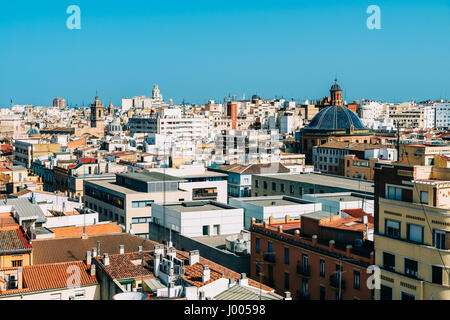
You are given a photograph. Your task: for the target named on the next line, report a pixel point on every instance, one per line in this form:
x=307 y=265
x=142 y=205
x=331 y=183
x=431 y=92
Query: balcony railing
x=269 y=257
x=334 y=282
x=304 y=270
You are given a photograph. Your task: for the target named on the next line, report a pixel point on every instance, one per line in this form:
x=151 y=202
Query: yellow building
x=412 y=232
x=16 y=250
x=421 y=154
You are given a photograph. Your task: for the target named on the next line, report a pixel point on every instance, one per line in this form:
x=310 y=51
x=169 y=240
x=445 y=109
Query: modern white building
x=278 y=207
x=199 y=218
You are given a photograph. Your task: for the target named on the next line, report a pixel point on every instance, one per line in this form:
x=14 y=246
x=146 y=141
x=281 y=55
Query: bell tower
x=336 y=94
x=97 y=115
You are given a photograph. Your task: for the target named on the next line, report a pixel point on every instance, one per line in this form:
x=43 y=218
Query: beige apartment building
x=421 y=154
x=412 y=232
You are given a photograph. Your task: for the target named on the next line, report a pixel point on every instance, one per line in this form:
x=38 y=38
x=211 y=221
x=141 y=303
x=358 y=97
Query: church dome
x=335 y=118
x=32 y=131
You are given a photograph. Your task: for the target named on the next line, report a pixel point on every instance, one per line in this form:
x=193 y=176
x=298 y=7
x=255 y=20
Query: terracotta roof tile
x=97 y=229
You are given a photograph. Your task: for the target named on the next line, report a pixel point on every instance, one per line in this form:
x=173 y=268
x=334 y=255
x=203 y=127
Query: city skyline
x=200 y=51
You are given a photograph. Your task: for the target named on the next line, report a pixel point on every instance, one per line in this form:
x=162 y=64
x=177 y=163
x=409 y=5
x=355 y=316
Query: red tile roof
x=97 y=229
x=53 y=276
x=359 y=213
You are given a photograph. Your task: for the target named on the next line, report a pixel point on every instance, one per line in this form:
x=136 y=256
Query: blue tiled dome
x=32 y=131
x=335 y=118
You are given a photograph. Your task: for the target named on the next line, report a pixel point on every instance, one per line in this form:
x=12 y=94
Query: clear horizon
x=202 y=50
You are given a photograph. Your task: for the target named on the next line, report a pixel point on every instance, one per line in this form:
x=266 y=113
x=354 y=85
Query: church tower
x=97 y=115
x=336 y=94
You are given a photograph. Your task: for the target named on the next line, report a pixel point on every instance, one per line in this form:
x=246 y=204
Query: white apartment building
x=442 y=115
x=247 y=146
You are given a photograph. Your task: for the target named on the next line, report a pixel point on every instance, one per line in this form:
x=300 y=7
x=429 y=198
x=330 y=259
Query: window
x=282 y=187
x=274 y=186
x=216 y=229
x=258 y=269
x=385 y=293
x=16 y=263
x=424 y=197
x=392 y=228
x=322 y=268
x=436 y=274
x=322 y=293
x=80 y=294
x=205 y=230
x=269 y=246
x=356 y=278
x=291 y=189
x=286 y=255
x=305 y=287
x=257 y=245
x=388 y=261
x=411 y=268
x=439 y=237
x=415 y=233
x=256 y=183
x=394 y=193
x=305 y=262
x=265 y=184
x=286 y=280
x=407 y=296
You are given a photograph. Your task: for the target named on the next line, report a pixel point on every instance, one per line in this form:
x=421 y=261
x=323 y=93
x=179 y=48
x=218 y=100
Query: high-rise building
x=59 y=103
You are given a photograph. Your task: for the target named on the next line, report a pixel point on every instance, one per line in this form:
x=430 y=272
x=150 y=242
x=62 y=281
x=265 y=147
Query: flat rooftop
x=196 y=206
x=343 y=198
x=273 y=201
x=318 y=215
x=150 y=176
x=325 y=180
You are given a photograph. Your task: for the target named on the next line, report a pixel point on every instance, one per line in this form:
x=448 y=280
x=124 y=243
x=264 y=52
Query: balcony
x=304 y=270
x=334 y=282
x=269 y=257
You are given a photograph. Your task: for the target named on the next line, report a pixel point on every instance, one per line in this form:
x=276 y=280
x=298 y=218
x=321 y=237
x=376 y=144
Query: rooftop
x=97 y=229
x=194 y=206
x=149 y=176
x=73 y=249
x=326 y=180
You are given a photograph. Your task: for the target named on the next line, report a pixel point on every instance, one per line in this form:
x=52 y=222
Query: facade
x=308 y=262
x=199 y=218
x=26 y=151
x=421 y=154
x=412 y=232
x=442 y=115
x=337 y=201
x=97 y=116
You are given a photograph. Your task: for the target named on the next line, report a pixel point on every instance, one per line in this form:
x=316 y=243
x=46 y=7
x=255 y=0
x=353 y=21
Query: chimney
x=171 y=252
x=121 y=249
x=159 y=250
x=297 y=233
x=156 y=262
x=367 y=231
x=206 y=274
x=365 y=219
x=243 y=281
x=19 y=278
x=287 y=219
x=314 y=240
x=271 y=220
x=252 y=222
x=280 y=229
x=287 y=296
x=348 y=250
x=106 y=259
x=92 y=270
x=231 y=282
x=265 y=224
x=94 y=252
x=331 y=245
x=140 y=249
x=194 y=257
x=88 y=258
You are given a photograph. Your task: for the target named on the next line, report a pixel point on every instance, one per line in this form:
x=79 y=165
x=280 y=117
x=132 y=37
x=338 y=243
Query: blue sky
x=199 y=50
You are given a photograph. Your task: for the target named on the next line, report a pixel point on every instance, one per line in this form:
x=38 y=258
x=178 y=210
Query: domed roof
x=32 y=131
x=335 y=86
x=335 y=118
